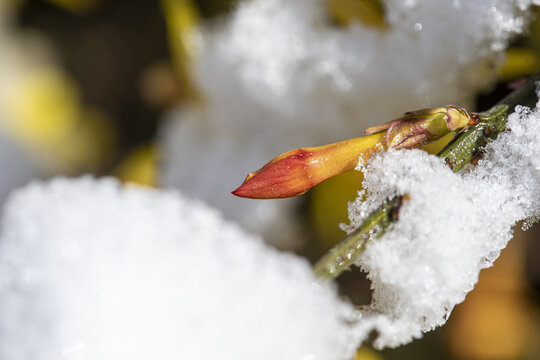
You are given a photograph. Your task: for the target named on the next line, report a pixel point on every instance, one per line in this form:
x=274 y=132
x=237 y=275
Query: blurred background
x=103 y=87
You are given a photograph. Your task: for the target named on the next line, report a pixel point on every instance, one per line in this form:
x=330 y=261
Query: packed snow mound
x=92 y=270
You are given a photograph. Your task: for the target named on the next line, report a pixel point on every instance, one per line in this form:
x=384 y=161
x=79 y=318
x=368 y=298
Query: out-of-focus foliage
x=524 y=58
x=77 y=6
x=160 y=86
x=210 y=9
x=497 y=321
x=140 y=166
x=182 y=17
x=369 y=12
x=49 y=120
x=365 y=353
x=519 y=63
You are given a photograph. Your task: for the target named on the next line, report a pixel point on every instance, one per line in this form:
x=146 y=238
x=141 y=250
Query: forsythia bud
x=296 y=171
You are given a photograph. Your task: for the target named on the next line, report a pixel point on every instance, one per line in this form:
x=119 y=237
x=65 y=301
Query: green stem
x=459 y=152
x=345 y=253
x=467 y=146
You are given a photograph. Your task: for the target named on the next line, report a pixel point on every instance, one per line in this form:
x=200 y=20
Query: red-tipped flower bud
x=296 y=171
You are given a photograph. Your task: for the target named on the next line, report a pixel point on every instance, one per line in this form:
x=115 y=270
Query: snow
x=93 y=270
x=453 y=226
x=277 y=75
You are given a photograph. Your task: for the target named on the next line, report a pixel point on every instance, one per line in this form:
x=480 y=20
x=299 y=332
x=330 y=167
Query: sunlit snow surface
x=91 y=270
x=277 y=75
x=453 y=226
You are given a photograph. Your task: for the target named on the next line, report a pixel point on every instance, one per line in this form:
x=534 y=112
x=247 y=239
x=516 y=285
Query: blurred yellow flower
x=182 y=18
x=43 y=112
x=365 y=353
x=140 y=166
x=369 y=12
x=519 y=63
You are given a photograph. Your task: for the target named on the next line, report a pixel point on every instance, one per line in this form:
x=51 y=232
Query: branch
x=459 y=152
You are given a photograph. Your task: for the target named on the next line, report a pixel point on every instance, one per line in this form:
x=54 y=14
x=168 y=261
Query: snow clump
x=453 y=226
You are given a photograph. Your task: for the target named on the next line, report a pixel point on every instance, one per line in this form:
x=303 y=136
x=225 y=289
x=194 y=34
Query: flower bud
x=296 y=171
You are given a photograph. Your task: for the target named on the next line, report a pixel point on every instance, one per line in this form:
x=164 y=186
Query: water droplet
x=340 y=261
x=418 y=27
